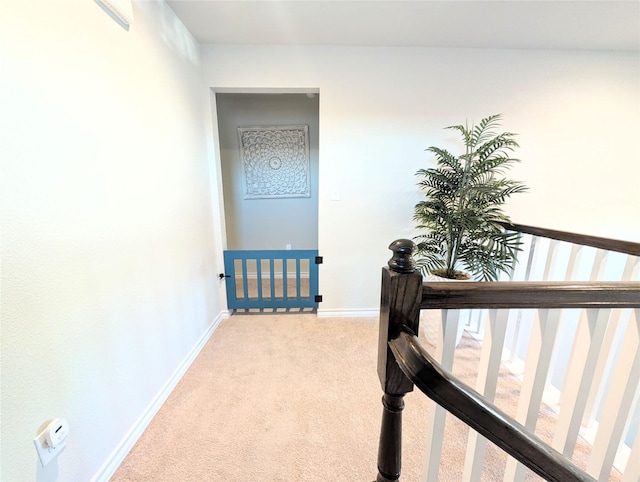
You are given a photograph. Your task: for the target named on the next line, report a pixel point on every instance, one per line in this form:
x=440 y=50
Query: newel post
x=399 y=306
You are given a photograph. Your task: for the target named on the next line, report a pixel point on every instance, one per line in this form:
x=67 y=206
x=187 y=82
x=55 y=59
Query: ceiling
x=521 y=24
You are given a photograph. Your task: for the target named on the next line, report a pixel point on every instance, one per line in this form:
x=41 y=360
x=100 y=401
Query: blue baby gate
x=272 y=279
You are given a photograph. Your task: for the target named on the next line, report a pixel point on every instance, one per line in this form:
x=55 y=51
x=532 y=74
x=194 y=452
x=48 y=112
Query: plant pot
x=432 y=321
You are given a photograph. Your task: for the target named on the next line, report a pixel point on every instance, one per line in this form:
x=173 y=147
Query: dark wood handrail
x=620 y=246
x=481 y=415
x=402 y=361
x=525 y=294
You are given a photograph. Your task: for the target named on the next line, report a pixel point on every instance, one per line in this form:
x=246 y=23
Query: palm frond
x=463 y=202
x=484 y=130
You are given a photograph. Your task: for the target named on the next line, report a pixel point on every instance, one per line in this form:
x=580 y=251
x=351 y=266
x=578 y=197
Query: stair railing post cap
x=402 y=260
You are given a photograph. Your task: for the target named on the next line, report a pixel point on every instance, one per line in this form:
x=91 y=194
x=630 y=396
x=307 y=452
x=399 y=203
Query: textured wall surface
x=108 y=248
x=576 y=112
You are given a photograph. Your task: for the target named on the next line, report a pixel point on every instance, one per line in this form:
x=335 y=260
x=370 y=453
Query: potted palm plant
x=462 y=209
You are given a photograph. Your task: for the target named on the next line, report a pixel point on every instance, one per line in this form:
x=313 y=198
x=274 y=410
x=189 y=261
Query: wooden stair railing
x=479 y=414
x=620 y=246
x=402 y=361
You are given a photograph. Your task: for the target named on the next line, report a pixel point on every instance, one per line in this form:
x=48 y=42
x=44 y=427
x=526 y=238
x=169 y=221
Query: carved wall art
x=275 y=161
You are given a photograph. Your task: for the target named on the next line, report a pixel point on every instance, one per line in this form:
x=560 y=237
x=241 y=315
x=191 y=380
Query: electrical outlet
x=45 y=452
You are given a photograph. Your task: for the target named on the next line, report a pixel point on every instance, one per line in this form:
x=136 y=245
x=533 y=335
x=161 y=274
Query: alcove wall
x=266 y=223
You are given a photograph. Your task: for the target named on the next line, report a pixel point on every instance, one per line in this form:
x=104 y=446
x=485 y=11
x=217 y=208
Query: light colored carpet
x=293 y=397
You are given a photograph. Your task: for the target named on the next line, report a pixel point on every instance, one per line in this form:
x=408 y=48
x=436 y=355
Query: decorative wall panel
x=275 y=161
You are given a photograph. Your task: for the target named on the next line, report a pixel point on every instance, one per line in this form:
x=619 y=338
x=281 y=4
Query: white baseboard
x=126 y=444
x=347 y=313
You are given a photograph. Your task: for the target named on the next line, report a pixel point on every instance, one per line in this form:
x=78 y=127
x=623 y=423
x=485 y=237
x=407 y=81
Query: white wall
x=109 y=256
x=108 y=252
x=577 y=114
x=266 y=223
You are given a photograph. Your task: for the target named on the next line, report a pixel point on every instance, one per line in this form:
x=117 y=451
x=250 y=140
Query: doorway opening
x=269 y=167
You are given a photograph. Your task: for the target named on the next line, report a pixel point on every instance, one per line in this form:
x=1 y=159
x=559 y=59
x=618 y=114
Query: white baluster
x=525 y=257
x=437 y=415
x=573 y=265
x=631 y=272
x=541 y=344
x=551 y=265
x=539 y=356
x=488 y=371
x=618 y=401
x=584 y=357
x=632 y=469
x=567 y=328
x=585 y=353
x=529 y=256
